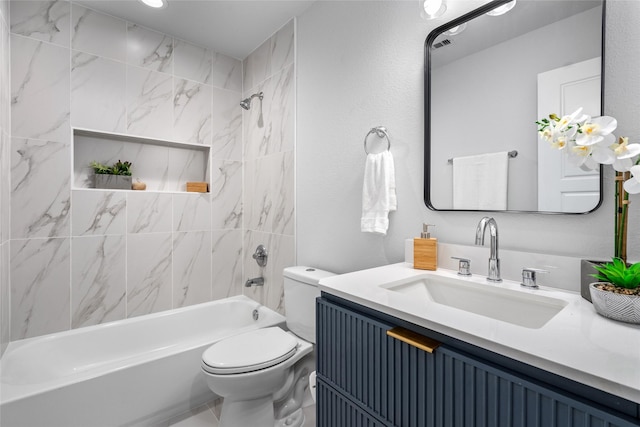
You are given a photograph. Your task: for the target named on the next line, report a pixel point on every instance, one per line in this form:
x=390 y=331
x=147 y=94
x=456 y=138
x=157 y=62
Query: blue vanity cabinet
x=378 y=380
x=392 y=380
x=338 y=411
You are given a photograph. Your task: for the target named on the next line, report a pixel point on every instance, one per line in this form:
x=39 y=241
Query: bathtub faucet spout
x=257 y=281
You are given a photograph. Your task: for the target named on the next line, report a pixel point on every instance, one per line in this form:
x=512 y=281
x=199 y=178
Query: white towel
x=378 y=193
x=480 y=182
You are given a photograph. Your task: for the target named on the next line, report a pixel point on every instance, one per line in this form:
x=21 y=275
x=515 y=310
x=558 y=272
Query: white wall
x=5 y=172
x=360 y=64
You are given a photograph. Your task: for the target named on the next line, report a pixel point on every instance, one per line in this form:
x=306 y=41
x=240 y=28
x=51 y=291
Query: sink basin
x=508 y=305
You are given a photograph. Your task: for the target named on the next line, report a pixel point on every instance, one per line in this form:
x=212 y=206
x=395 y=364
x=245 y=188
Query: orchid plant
x=589 y=143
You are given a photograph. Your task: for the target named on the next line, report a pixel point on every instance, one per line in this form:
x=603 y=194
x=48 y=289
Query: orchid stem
x=621 y=218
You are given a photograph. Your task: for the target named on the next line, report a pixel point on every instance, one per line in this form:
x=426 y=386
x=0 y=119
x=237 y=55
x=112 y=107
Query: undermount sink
x=520 y=308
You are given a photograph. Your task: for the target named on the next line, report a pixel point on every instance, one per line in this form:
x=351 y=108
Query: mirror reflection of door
x=565 y=187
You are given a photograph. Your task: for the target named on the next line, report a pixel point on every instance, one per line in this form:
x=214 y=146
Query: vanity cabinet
x=368 y=378
x=339 y=411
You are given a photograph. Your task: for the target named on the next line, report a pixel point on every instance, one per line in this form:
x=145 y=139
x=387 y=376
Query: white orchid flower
x=602 y=152
x=581 y=157
x=590 y=164
x=624 y=152
x=570 y=119
x=632 y=185
x=594 y=131
x=622 y=165
x=546 y=134
x=559 y=142
x=559 y=135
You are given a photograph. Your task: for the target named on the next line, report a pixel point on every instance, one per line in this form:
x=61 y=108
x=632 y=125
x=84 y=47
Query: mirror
x=487 y=80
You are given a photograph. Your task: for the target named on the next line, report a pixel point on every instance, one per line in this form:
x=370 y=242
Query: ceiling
x=528 y=15
x=231 y=27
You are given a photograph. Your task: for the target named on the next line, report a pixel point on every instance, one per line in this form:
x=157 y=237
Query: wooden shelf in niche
x=164 y=166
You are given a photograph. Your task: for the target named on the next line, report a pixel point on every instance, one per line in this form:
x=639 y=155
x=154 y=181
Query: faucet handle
x=529 y=276
x=464 y=266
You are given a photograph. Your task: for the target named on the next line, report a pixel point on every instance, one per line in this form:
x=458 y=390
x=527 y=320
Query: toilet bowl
x=259 y=373
x=312 y=385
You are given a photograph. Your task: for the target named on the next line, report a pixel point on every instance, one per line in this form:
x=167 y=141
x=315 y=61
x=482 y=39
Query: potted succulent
x=617 y=295
x=589 y=143
x=117 y=176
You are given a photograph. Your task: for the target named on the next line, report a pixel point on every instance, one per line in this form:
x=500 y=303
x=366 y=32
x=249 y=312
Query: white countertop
x=577 y=343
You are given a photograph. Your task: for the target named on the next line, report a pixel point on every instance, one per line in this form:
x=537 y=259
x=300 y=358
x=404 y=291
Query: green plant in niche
x=619 y=274
x=118 y=168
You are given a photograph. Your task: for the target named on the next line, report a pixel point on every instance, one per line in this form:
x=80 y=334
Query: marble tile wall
x=80 y=257
x=5 y=173
x=269 y=160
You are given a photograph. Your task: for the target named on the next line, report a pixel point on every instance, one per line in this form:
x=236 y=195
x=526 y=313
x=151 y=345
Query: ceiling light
x=156 y=4
x=456 y=30
x=501 y=10
x=432 y=9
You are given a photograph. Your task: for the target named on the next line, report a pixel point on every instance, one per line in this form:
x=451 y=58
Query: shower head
x=246 y=103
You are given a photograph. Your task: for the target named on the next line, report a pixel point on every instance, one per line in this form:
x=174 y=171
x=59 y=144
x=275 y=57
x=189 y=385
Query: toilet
x=260 y=369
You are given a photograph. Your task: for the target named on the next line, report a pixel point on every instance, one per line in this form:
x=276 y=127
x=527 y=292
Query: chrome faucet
x=494 y=261
x=256 y=281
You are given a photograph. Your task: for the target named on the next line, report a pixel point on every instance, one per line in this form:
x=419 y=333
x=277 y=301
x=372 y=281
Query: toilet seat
x=250 y=351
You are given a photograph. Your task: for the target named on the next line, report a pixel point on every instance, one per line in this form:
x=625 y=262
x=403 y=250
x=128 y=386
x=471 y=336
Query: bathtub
x=134 y=372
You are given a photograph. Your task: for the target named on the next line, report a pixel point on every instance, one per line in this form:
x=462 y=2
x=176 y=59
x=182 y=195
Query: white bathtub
x=134 y=372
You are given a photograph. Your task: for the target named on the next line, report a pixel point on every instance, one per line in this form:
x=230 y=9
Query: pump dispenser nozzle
x=425 y=231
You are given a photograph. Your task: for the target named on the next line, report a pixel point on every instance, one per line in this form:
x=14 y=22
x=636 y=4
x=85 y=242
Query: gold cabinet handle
x=414 y=339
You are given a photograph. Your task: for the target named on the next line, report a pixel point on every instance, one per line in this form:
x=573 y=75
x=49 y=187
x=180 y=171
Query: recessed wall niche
x=162 y=165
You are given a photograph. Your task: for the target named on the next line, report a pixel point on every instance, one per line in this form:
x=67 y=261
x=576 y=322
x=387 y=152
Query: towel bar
x=512 y=154
x=381 y=131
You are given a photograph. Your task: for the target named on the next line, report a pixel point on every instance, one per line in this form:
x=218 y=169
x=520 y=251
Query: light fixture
x=501 y=10
x=432 y=9
x=156 y=4
x=456 y=30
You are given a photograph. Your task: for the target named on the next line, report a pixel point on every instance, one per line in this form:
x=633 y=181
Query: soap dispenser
x=425 y=250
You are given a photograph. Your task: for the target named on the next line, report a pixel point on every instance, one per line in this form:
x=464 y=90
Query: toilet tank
x=300 y=293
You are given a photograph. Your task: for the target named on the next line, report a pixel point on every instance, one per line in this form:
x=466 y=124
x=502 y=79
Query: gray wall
x=5 y=172
x=360 y=64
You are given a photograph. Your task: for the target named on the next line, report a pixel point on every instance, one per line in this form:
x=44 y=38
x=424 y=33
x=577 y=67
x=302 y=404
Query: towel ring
x=381 y=131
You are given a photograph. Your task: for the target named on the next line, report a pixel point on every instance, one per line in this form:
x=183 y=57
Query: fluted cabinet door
x=338 y=411
x=394 y=380
x=472 y=393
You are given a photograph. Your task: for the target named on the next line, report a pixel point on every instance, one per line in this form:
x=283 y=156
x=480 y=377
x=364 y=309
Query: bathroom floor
x=204 y=416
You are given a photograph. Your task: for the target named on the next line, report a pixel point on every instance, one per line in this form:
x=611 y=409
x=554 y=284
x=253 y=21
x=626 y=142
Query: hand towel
x=378 y=193
x=480 y=182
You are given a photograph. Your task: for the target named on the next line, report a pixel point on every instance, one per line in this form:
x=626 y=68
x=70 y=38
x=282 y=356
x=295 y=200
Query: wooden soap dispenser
x=425 y=250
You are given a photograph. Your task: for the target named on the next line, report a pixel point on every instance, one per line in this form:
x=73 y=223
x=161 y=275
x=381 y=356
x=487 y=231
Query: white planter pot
x=621 y=307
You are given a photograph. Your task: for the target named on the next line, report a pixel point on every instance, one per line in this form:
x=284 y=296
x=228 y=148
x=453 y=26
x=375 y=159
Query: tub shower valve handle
x=529 y=277
x=260 y=255
x=464 y=265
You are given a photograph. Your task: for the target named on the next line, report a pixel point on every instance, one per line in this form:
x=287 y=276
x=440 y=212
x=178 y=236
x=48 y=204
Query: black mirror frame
x=427 y=107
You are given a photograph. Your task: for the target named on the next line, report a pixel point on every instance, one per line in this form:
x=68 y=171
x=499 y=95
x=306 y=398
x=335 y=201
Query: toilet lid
x=250 y=351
